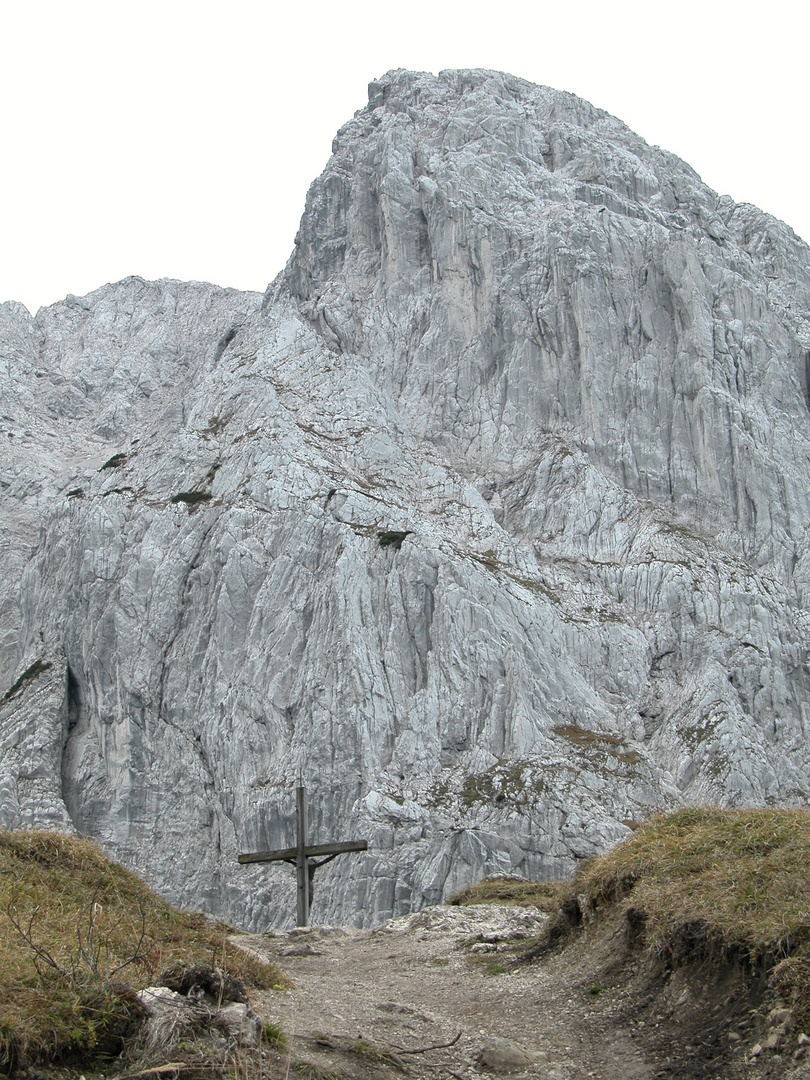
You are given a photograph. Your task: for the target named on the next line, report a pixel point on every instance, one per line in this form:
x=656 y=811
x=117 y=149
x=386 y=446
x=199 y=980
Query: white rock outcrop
x=489 y=519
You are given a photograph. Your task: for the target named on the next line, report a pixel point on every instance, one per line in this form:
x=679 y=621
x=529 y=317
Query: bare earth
x=421 y=980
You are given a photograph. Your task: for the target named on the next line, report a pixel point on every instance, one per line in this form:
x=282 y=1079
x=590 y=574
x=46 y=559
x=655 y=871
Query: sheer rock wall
x=488 y=519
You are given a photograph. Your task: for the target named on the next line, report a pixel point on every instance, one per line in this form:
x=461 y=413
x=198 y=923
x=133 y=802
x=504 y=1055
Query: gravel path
x=420 y=980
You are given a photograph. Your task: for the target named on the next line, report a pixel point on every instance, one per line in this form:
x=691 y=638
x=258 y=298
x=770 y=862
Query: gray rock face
x=489 y=519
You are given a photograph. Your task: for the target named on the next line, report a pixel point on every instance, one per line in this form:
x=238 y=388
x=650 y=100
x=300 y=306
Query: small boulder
x=779 y=1016
x=503 y=1055
x=170 y=1016
x=241 y=1023
x=160 y=999
x=300 y=950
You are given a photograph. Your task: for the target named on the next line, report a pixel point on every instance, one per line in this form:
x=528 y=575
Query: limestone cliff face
x=489 y=519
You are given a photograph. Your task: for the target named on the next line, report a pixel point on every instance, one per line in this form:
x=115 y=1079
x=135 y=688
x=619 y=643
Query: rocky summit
x=488 y=520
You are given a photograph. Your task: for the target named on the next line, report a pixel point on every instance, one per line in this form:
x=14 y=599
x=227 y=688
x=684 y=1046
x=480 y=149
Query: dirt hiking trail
x=362 y=999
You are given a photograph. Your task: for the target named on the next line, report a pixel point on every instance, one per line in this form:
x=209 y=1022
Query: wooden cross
x=301 y=856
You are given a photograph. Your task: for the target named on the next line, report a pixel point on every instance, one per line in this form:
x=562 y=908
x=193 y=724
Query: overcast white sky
x=178 y=138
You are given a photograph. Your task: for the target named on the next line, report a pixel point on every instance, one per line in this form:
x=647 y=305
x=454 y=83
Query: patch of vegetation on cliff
x=30 y=673
x=504 y=783
x=115 y=462
x=509 y=782
x=78 y=936
x=191 y=498
x=597 y=742
x=215 y=425
x=392 y=537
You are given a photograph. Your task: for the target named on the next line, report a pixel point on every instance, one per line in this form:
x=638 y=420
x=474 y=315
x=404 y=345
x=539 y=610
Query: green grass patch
x=273 y=1035
x=706 y=880
x=495 y=967
x=78 y=935
x=374 y=1053
x=546 y=895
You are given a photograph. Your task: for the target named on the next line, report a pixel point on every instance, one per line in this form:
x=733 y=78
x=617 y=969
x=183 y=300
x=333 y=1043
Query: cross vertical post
x=301 y=870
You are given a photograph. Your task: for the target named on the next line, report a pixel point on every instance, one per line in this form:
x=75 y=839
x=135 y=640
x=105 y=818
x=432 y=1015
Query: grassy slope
x=736 y=880
x=95 y=933
x=707 y=880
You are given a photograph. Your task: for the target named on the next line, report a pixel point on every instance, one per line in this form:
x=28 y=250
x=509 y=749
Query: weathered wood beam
x=302 y=892
x=312 y=851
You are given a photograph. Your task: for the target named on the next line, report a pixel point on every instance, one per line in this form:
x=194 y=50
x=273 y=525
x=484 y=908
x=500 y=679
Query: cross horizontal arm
x=337 y=849
x=284 y=854
x=279 y=855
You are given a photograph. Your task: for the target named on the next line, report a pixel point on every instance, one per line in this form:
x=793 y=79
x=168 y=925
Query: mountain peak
x=488 y=519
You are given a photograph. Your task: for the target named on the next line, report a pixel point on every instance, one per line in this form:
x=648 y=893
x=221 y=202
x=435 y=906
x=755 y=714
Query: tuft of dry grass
x=711 y=879
x=78 y=935
x=545 y=895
